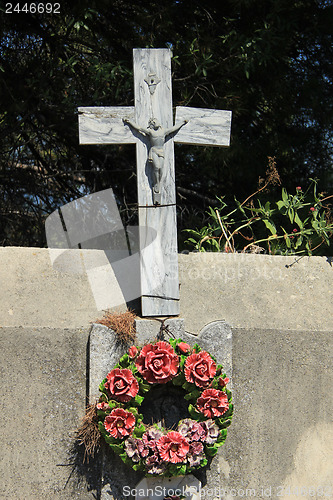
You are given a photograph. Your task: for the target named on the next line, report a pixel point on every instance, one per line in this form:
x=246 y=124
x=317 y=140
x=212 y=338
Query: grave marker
x=155 y=165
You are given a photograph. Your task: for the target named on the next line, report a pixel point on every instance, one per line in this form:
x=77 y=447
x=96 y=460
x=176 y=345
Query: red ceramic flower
x=213 y=403
x=102 y=406
x=173 y=447
x=122 y=384
x=133 y=351
x=223 y=381
x=119 y=423
x=200 y=368
x=158 y=363
x=184 y=347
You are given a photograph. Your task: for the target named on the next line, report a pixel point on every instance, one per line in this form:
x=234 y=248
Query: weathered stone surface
x=281 y=434
x=104 y=352
x=43 y=386
x=148 y=329
x=216 y=338
x=248 y=291
x=36 y=295
x=282 y=430
x=256 y=291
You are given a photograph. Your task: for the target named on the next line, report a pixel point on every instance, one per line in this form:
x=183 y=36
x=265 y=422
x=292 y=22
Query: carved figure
x=157 y=136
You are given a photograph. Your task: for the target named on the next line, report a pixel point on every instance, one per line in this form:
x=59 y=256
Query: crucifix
x=149 y=125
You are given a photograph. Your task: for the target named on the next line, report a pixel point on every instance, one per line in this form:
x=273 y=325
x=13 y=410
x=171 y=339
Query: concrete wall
x=43 y=383
x=282 y=325
x=256 y=291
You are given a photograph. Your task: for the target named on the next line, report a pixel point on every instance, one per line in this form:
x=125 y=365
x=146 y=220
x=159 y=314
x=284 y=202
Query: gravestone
x=105 y=351
x=149 y=125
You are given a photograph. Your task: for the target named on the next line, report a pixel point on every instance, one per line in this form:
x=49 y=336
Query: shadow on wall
x=84 y=475
x=313 y=472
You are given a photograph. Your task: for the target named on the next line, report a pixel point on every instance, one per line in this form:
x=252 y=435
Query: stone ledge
x=256 y=291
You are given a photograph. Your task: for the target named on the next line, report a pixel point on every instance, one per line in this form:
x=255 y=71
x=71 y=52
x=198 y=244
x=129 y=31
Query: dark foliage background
x=269 y=61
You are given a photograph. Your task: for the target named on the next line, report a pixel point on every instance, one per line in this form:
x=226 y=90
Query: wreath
x=153 y=449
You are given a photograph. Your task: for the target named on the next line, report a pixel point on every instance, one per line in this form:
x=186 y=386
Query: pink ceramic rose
x=223 y=381
x=133 y=351
x=120 y=423
x=183 y=347
x=122 y=384
x=158 y=363
x=213 y=403
x=200 y=368
x=102 y=406
x=173 y=447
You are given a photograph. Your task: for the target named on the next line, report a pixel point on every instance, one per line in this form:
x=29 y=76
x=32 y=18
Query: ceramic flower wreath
x=153 y=449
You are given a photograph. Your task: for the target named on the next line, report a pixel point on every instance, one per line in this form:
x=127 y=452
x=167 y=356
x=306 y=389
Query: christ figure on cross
x=156 y=191
x=157 y=137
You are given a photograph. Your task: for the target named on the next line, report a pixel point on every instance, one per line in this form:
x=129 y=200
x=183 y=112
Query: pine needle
x=121 y=323
x=88 y=433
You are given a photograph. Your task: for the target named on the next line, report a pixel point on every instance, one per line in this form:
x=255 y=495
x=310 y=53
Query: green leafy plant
x=299 y=223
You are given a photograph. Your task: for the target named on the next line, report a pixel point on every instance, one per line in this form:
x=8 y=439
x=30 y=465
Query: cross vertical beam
x=159 y=262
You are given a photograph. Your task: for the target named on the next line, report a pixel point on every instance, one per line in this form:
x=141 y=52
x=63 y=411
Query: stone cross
x=149 y=125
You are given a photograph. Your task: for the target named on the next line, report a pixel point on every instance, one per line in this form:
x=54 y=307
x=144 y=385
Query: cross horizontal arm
x=104 y=125
x=206 y=127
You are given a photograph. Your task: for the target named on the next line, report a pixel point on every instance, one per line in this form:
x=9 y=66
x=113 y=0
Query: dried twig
x=121 y=323
x=88 y=433
x=272 y=177
x=223 y=230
